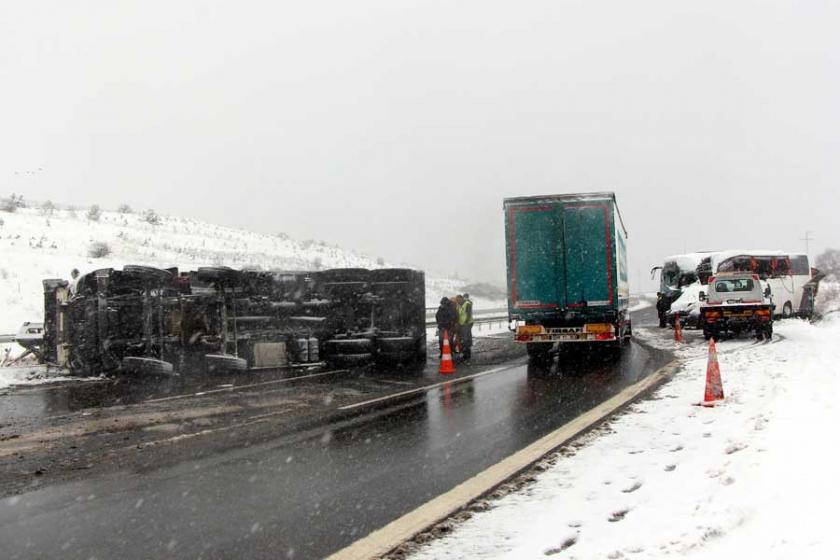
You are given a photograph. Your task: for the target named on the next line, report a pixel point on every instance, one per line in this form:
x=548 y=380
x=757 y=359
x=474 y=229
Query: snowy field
x=754 y=477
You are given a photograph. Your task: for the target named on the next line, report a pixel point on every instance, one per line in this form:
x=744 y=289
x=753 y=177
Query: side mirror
x=702 y=296
x=767 y=291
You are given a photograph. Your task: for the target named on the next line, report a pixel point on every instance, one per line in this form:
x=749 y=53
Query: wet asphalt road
x=310 y=494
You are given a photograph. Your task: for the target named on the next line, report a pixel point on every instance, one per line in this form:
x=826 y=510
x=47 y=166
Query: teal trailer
x=567 y=270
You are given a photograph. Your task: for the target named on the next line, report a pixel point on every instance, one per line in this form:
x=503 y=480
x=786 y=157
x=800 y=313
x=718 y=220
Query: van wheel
x=787 y=310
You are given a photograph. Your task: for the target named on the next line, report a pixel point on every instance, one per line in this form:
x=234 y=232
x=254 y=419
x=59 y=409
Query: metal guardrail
x=480 y=320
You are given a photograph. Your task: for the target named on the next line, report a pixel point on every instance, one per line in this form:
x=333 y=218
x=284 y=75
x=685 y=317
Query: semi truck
x=567 y=274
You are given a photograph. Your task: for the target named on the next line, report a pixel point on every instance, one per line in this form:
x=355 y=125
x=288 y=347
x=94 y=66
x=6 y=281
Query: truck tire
x=344 y=275
x=225 y=363
x=764 y=333
x=538 y=351
x=148 y=273
x=136 y=365
x=396 y=344
x=397 y=357
x=391 y=275
x=216 y=273
x=351 y=360
x=348 y=346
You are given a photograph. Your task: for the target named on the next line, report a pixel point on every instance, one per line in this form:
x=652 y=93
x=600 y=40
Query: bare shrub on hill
x=94 y=213
x=151 y=217
x=99 y=250
x=8 y=205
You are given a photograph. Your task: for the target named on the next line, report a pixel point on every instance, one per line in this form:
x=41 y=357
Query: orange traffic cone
x=446 y=363
x=678 y=337
x=714 y=385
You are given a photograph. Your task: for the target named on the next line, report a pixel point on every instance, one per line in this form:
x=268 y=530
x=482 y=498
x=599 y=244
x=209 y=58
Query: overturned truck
x=145 y=320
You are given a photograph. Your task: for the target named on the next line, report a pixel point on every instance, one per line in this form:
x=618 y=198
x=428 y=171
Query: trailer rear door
x=536 y=279
x=589 y=254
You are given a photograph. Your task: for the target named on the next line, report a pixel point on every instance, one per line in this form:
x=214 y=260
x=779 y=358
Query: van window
x=799 y=265
x=735 y=285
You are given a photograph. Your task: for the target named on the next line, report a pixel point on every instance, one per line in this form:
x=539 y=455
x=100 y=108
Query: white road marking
x=240 y=387
x=426 y=388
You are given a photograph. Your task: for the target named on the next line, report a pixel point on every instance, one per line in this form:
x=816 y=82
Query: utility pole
x=807 y=239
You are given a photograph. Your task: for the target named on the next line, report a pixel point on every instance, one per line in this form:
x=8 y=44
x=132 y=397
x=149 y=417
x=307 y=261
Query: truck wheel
x=396 y=344
x=225 y=363
x=351 y=360
x=392 y=275
x=339 y=346
x=787 y=310
x=216 y=273
x=146 y=366
x=663 y=321
x=344 y=275
x=397 y=357
x=707 y=334
x=148 y=273
x=538 y=351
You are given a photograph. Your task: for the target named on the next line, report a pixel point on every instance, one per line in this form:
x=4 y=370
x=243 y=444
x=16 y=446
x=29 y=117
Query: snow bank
x=754 y=477
x=828 y=298
x=32 y=375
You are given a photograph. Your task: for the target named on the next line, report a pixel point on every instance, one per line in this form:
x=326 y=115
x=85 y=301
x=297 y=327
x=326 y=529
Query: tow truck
x=736 y=303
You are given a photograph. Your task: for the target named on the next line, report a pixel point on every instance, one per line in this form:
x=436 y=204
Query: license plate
x=567 y=337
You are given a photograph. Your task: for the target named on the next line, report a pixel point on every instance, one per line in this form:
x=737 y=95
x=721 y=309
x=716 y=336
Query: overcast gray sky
x=397 y=127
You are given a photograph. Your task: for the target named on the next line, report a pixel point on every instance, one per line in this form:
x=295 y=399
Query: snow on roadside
x=754 y=477
x=34 y=375
x=641 y=304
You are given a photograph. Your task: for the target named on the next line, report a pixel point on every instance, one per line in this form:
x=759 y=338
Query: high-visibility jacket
x=465 y=313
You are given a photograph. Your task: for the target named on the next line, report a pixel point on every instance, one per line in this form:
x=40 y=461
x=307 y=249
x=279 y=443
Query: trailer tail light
x=604 y=336
x=710 y=316
x=598 y=328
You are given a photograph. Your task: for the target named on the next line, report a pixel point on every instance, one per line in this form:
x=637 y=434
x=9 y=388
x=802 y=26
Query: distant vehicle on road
x=793 y=283
x=567 y=271
x=676 y=273
x=736 y=303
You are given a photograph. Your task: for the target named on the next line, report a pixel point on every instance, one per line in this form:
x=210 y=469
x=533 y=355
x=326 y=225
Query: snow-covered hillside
x=35 y=245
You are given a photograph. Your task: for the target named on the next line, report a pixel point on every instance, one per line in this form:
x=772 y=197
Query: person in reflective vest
x=465 y=323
